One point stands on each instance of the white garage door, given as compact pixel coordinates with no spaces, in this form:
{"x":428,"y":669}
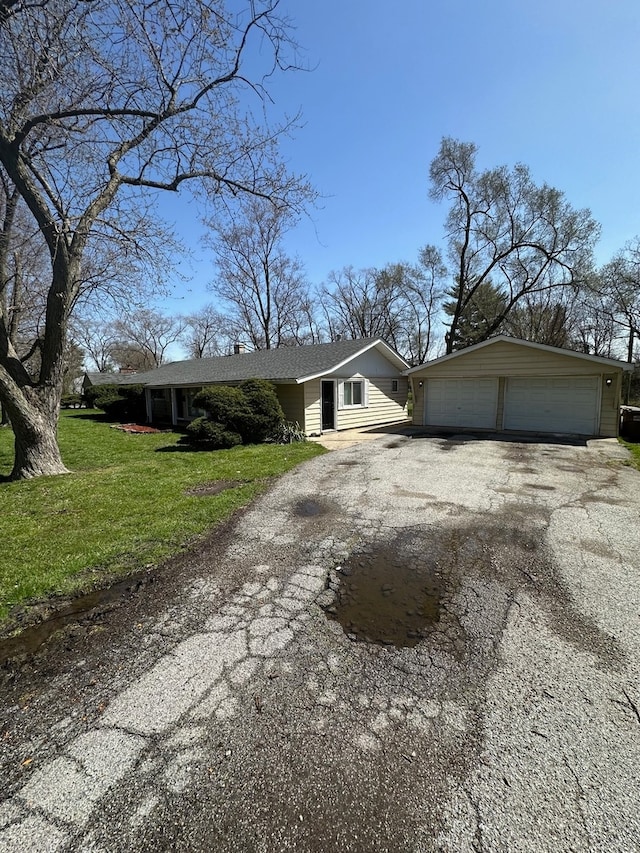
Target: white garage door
{"x":543,"y":404}
{"x":461,"y":402}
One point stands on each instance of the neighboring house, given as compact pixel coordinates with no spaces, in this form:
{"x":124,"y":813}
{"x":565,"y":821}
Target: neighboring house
{"x":323,"y":387}
{"x":513,"y":385}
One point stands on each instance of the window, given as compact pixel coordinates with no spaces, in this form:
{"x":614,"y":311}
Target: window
{"x":353,"y":393}
{"x":190,"y":410}
{"x":394,"y":386}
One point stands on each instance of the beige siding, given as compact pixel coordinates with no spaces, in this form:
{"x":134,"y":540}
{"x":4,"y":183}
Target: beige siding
{"x":312,"y":414}
{"x":610,"y":406}
{"x":384,"y":405}
{"x":506,"y":359}
{"x":418,"y":401}
{"x":291,"y":399}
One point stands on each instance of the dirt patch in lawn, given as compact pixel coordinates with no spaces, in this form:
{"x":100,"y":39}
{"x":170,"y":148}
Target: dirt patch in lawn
{"x":213,"y":488}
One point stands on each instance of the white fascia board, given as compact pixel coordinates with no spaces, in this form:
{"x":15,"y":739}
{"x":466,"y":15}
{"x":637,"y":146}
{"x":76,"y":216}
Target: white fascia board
{"x":598,"y":359}
{"x":390,"y":354}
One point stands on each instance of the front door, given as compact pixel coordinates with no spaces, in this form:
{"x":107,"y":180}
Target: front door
{"x":328,"y":405}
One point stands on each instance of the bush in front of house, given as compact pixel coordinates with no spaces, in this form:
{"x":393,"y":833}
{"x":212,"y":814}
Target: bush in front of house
{"x":123,"y":403}
{"x":265,"y":411}
{"x":245,"y":414}
{"x":224,"y":404}
{"x":210,"y":435}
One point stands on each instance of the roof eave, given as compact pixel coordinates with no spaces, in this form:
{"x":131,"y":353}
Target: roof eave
{"x":597,"y":359}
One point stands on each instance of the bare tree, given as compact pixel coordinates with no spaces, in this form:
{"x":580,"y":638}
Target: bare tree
{"x":95,"y":334}
{"x":143,"y":337}
{"x":594,"y":329}
{"x":206,"y":333}
{"x":264,"y":289}
{"x":360,"y":304}
{"x":552,"y":317}
{"x":398,"y":303}
{"x":101,"y":103}
{"x":503,"y":228}
{"x":618,"y":292}
{"x":418,"y":289}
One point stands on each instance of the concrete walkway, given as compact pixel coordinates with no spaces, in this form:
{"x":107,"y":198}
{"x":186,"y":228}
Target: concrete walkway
{"x":339,"y":439}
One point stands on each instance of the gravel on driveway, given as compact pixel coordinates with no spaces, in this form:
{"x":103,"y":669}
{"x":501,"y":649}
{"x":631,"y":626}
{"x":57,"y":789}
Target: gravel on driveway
{"x":412,"y":644}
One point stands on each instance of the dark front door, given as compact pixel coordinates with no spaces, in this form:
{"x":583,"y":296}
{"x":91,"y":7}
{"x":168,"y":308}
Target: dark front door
{"x":328,"y":405}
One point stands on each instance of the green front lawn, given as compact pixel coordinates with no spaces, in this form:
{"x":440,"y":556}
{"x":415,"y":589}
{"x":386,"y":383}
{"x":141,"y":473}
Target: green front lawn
{"x":634,"y":449}
{"x":123,"y":507}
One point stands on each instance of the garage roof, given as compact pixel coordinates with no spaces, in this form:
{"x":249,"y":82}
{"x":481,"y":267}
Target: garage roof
{"x":607,"y":362}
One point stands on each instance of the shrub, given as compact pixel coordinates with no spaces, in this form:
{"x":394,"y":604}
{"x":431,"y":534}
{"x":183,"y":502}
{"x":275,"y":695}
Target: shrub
{"x":119,"y":402}
{"x":224,"y":404}
{"x":248,"y":414}
{"x":265,"y":411}
{"x":71,"y":401}
{"x":92,"y":393}
{"x":211,"y":435}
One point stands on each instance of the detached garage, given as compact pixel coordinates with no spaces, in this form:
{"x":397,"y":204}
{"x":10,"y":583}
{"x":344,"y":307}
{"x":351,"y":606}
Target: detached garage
{"x":506,"y":384}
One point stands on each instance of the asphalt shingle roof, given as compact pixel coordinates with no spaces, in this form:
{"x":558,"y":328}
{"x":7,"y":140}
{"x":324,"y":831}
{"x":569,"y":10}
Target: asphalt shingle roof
{"x":284,"y":364}
{"x":109,"y":378}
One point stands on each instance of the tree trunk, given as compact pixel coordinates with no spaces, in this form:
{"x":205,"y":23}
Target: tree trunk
{"x":36,"y":446}
{"x":34,"y":420}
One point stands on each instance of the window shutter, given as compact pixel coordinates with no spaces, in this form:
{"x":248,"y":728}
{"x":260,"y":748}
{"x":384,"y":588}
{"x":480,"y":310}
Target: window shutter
{"x":341,"y":395}
{"x":365,"y":393}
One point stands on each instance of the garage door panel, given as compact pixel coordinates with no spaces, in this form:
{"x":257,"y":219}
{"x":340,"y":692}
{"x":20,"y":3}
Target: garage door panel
{"x":461,"y":402}
{"x":559,"y":404}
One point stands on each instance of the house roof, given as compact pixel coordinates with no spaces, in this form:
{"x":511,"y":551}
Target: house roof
{"x":108,"y":378}
{"x":606,"y":362}
{"x":285,"y":364}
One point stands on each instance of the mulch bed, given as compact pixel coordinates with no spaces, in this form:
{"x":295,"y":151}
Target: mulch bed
{"x":135,"y":428}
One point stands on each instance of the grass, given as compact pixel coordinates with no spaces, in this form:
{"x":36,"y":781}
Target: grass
{"x":123,"y":507}
{"x":634,"y":449}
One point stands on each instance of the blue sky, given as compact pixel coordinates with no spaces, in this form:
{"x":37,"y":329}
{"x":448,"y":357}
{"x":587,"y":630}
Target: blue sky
{"x":553,"y":85}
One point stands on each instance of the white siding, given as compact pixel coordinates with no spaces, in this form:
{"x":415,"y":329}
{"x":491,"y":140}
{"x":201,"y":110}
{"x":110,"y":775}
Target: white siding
{"x":385,"y":406}
{"x":371,"y":364}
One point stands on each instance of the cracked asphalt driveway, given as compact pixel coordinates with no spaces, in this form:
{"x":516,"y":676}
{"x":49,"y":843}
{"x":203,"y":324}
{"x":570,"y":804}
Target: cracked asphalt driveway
{"x":224,"y":709}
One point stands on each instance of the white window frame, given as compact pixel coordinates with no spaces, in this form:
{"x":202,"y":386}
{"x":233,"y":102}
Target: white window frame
{"x":364,"y":396}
